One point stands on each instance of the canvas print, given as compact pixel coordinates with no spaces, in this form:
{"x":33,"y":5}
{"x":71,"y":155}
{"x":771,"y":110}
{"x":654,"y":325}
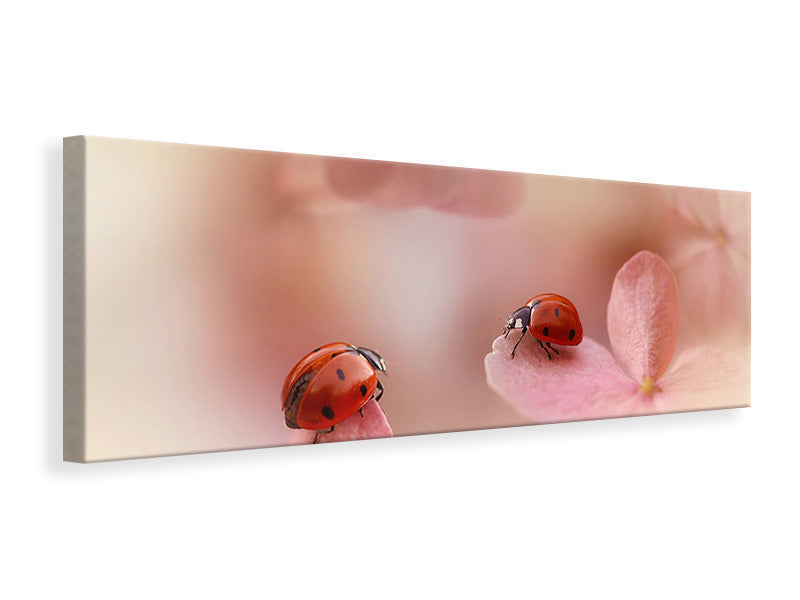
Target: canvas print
{"x":220,"y":299}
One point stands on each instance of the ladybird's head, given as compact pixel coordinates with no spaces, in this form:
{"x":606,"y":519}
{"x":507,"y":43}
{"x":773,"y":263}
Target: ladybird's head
{"x":519,"y":319}
{"x":373,"y":358}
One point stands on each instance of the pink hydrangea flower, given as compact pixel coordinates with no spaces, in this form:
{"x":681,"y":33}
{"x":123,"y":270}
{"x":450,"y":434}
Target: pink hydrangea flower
{"x":707,"y":237}
{"x":372,"y":425}
{"x":589,"y":382}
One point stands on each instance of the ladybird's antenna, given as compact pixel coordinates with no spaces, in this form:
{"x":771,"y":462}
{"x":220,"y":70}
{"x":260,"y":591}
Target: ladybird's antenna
{"x":505,"y":329}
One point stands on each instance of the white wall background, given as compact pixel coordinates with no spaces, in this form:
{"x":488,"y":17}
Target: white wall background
{"x":684,"y":506}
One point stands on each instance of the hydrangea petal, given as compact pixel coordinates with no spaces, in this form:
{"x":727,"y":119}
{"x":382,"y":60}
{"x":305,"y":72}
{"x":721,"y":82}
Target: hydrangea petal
{"x":708,"y":248}
{"x":358,"y":179}
{"x":582,"y":382}
{"x":704,"y":377}
{"x":324,"y":184}
{"x":715,"y":295}
{"x":372,"y":425}
{"x":484,"y":193}
{"x":644,"y":316}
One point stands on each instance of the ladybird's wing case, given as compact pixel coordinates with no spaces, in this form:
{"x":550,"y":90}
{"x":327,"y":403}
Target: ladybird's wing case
{"x":535,"y":301}
{"x":569,"y":303}
{"x":337,"y":391}
{"x":550,"y":297}
{"x":311,"y":361}
{"x":555,"y":320}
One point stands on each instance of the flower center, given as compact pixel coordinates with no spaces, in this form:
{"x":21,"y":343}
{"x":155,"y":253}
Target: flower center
{"x":648,"y":385}
{"x":720,"y":238}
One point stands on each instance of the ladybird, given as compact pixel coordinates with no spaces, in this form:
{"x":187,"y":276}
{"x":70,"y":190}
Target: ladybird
{"x":551,"y":319}
{"x":329,"y":385}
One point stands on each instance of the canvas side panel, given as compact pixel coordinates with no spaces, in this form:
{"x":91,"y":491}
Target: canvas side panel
{"x":75,"y":299}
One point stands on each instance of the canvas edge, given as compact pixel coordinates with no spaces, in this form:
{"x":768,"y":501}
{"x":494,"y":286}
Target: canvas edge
{"x":74,"y":296}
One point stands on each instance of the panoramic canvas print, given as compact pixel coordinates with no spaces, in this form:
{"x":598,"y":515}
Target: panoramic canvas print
{"x":220,"y":299}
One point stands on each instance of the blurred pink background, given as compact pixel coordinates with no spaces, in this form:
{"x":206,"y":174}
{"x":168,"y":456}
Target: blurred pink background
{"x":211,"y":271}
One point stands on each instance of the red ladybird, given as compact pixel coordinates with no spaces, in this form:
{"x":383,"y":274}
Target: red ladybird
{"x":551,"y":319}
{"x":329,"y":385}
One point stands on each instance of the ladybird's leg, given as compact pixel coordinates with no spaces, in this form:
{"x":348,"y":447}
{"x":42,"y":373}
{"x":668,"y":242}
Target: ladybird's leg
{"x":361,"y":412}
{"x":316,"y":436}
{"x":380,"y":391}
{"x":551,"y":348}
{"x":543,"y":348}
{"x":524,"y":329}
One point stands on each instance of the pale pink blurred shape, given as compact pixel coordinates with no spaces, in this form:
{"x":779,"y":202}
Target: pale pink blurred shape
{"x":300,"y":175}
{"x":586,"y":382}
{"x":318,"y":183}
{"x":358,"y":179}
{"x":372,"y":425}
{"x":483,"y":193}
{"x":708,"y":247}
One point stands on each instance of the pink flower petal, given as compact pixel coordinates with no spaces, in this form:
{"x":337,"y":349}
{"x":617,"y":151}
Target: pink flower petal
{"x":582,"y":382}
{"x":708,"y":248}
{"x":704,"y":378}
{"x":427,"y":184}
{"x":715,"y":295}
{"x":358,"y":179}
{"x":372,"y":425}
{"x":483,"y":193}
{"x":323,"y":184}
{"x":300,"y":176}
{"x":713,"y":211}
{"x":644,"y":316}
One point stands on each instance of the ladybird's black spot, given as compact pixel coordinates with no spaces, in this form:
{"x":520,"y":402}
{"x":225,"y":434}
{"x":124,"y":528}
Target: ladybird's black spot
{"x":571,"y":334}
{"x":556,"y":312}
{"x":546,"y":331}
{"x":363,"y":390}
{"x":535,"y":304}
{"x":340,"y":373}
{"x":327,"y":412}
